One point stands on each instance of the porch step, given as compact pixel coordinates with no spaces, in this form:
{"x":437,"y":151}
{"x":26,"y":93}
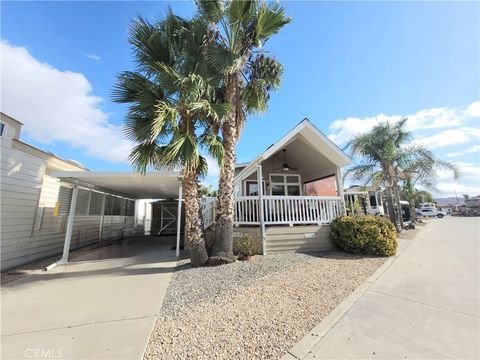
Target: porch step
{"x":298,"y":239}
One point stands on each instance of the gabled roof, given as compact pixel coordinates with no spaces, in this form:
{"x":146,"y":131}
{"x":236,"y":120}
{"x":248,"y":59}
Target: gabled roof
{"x":315,"y":138}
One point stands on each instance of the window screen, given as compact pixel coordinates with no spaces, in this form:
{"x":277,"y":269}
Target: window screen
{"x":130,"y":208}
{"x":118,"y":204}
{"x":83,"y":202}
{"x":96,"y":202}
{"x":64,"y":198}
{"x":109,"y":205}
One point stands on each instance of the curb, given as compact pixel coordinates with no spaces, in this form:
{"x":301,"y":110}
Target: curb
{"x":304,"y":346}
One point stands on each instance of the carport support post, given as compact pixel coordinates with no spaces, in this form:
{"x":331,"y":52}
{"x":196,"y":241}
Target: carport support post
{"x":260,"y":207}
{"x":71,"y":219}
{"x":102,"y":217}
{"x":179,"y":218}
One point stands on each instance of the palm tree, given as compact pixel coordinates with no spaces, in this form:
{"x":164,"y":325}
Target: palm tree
{"x":170,"y":114}
{"x":386,"y":157}
{"x":242,"y":28}
{"x":414,"y":196}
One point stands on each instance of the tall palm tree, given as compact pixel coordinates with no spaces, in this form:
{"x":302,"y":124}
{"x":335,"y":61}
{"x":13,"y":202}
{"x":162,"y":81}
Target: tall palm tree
{"x":386,"y":157}
{"x":242,"y":28}
{"x":170,"y":114}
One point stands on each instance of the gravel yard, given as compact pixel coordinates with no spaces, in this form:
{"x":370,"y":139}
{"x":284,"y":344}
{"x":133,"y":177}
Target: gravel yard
{"x":252,"y":310}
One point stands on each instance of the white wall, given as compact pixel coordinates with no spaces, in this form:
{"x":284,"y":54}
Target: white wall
{"x":23,"y":175}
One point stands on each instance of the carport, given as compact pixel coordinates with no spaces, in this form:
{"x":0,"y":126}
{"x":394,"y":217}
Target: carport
{"x":152,"y":185}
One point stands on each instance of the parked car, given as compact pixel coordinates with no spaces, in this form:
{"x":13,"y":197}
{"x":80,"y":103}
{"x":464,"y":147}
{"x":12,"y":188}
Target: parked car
{"x":430,"y":212}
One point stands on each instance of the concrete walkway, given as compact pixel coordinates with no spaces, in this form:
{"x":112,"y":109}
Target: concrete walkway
{"x":101,"y":306}
{"x":425,"y":304}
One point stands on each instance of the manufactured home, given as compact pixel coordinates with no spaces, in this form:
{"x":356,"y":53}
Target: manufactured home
{"x":289,"y":194}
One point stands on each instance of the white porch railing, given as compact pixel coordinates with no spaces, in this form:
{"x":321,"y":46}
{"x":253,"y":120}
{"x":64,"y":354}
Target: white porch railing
{"x":288,"y":210}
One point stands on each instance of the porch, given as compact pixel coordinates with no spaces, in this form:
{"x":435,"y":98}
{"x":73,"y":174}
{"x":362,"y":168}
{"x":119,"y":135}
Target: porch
{"x":287,"y":210}
{"x":296,"y":181}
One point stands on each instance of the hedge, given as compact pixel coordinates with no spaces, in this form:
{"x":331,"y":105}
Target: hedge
{"x":368,"y":235}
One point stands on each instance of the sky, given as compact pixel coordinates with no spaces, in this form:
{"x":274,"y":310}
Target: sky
{"x":348,"y":66}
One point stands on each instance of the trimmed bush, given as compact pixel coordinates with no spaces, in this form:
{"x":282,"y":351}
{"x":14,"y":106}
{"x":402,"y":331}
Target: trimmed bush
{"x":246,"y":246}
{"x":368,"y":235}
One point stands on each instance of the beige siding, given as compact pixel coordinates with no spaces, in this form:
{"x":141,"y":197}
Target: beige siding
{"x":298,"y":238}
{"x":25,"y":187}
{"x":291,"y":239}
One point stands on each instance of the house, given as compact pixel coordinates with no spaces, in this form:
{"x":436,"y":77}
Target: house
{"x":35,"y":203}
{"x":288,"y":195}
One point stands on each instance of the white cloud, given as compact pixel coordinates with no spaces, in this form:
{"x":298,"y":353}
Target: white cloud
{"x":454,"y":154}
{"x":451,"y":188}
{"x":93,"y":57}
{"x":435,"y":118}
{"x":444,"y":138}
{"x":467,"y":183}
{"x":58,"y":106}
{"x":473,"y":149}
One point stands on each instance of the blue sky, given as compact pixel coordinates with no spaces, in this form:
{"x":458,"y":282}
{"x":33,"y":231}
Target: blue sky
{"x":347,"y":66}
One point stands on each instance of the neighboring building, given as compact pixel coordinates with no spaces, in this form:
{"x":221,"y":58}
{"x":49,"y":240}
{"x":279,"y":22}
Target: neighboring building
{"x":365,"y":202}
{"x":35,"y":203}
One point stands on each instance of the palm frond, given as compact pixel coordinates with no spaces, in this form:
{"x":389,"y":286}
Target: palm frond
{"x":206,"y":109}
{"x":255,"y":96}
{"x":240,"y":11}
{"x":144,"y":155}
{"x":220,"y":58}
{"x":213,"y":144}
{"x":212,"y":10}
{"x":270,"y":19}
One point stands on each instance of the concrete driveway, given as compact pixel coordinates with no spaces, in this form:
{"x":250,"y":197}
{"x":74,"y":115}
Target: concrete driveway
{"x":424,"y":306}
{"x":103,"y":305}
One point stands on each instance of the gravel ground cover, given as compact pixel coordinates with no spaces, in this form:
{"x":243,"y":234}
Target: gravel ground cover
{"x":252,"y":310}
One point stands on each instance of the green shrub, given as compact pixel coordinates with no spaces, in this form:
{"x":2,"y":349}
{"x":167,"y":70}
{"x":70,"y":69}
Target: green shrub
{"x":369,"y":235}
{"x":246,"y":245}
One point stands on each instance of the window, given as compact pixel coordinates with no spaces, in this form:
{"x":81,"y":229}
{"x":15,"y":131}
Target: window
{"x":2,"y":128}
{"x":373,"y":199}
{"x":49,"y":217}
{"x":283,"y":184}
{"x":251,"y":188}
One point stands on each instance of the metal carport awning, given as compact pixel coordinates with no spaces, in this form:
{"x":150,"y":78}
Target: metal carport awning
{"x":152,"y":185}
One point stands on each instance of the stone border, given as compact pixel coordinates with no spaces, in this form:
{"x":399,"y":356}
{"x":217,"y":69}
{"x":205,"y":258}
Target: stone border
{"x":304,"y":346}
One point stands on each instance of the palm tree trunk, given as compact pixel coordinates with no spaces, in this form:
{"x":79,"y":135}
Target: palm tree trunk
{"x":413,"y":215}
{"x":194,"y":237}
{"x":390,"y":207}
{"x":222,"y":249}
{"x":396,"y":192}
